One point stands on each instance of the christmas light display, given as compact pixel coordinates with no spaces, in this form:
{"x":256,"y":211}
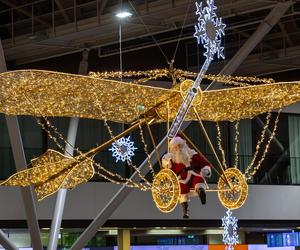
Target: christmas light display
{"x":123,"y":149}
{"x":209,"y":30}
{"x":230,"y":236}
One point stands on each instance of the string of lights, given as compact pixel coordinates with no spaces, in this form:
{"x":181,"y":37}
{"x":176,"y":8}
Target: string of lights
{"x":256,"y":168}
{"x":121,"y":179}
{"x":145,"y":146}
{"x":97,"y":166}
{"x":219,"y":141}
{"x":181,"y":75}
{"x":236,"y":145}
{"x":258,"y":145}
{"x":112,"y":136}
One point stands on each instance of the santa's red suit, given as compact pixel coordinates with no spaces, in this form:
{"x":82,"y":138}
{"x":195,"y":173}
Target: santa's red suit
{"x":191,"y":169}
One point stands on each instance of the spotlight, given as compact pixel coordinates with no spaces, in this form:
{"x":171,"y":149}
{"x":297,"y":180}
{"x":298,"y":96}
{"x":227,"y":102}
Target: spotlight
{"x":123,"y":14}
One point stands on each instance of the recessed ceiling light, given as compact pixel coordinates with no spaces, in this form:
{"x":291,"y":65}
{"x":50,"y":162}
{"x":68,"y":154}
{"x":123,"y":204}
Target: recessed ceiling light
{"x":123,"y":14}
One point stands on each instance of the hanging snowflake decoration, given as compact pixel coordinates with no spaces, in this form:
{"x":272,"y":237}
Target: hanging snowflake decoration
{"x":209,"y":30}
{"x":123,"y":149}
{"x":230,"y":236}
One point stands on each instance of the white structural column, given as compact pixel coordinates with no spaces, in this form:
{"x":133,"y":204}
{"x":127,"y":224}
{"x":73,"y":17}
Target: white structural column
{"x":5,"y":242}
{"x":20,"y":162}
{"x":240,"y":56}
{"x":69,"y":150}
{"x":62,"y":193}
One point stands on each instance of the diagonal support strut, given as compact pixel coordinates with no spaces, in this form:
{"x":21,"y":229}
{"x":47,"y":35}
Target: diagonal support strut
{"x":20,"y":162}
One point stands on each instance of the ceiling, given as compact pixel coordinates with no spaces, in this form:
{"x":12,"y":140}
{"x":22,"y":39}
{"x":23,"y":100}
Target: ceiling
{"x":32,"y":31}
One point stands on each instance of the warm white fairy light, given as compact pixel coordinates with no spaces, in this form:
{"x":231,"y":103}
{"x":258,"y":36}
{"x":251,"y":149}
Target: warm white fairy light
{"x":209,"y":30}
{"x":123,"y":149}
{"x":230,"y":236}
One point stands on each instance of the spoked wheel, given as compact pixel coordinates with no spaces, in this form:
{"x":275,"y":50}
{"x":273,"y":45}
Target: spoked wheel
{"x":165,"y":190}
{"x":234,"y":195}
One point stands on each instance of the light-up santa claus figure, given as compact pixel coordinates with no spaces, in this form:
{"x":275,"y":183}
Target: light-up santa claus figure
{"x":191,"y":169}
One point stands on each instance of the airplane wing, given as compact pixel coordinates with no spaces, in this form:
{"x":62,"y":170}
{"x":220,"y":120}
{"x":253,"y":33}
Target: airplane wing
{"x":247,"y":102}
{"x":233,"y":104}
{"x":37,"y":92}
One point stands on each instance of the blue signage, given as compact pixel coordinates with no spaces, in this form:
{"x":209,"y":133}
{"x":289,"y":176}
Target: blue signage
{"x":283,"y":239}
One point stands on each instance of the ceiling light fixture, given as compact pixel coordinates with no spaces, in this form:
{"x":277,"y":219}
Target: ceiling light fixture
{"x":123,"y":14}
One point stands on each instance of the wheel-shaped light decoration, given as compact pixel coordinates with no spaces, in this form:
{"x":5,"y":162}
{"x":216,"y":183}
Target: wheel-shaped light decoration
{"x":234,"y":194}
{"x":209,"y":30}
{"x":123,"y":149}
{"x":165,"y":190}
{"x":230,"y":236}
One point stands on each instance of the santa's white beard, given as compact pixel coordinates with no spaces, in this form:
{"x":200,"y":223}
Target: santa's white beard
{"x":182,"y":156}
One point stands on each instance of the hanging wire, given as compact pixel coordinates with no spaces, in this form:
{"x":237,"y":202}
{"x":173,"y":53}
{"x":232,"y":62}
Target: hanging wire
{"x":148,"y":30}
{"x":182,"y":27}
{"x":120,"y":47}
{"x":154,"y":39}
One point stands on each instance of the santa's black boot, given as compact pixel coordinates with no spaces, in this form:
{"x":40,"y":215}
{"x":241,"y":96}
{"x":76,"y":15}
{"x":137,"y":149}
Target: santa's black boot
{"x":185,"y":209}
{"x":202,"y":195}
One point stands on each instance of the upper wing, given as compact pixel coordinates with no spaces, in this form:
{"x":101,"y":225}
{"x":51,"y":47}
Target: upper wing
{"x":36,"y":92}
{"x":233,"y":104}
{"x":246,"y":102}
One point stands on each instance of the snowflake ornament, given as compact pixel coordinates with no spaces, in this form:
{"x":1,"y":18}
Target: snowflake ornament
{"x":209,"y":30}
{"x":123,"y":149}
{"x":230,"y":236}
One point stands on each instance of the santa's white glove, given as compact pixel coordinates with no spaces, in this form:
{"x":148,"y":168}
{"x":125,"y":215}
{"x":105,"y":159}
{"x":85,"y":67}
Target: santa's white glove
{"x":206,"y":171}
{"x":166,"y":160}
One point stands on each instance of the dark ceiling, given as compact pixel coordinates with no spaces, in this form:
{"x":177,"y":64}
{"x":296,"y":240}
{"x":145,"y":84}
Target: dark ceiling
{"x":34,"y":31}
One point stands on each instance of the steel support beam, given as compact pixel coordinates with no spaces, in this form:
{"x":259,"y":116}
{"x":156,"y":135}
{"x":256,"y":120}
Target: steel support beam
{"x":20,"y":162}
{"x":69,"y":150}
{"x":263,"y":29}
{"x":62,"y":11}
{"x":269,"y":133}
{"x":103,"y":6}
{"x":284,"y":156}
{"x":62,"y":193}
{"x":245,"y":35}
{"x":26,"y":192}
{"x":26,"y":13}
{"x":286,"y":35}
{"x":5,"y":242}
